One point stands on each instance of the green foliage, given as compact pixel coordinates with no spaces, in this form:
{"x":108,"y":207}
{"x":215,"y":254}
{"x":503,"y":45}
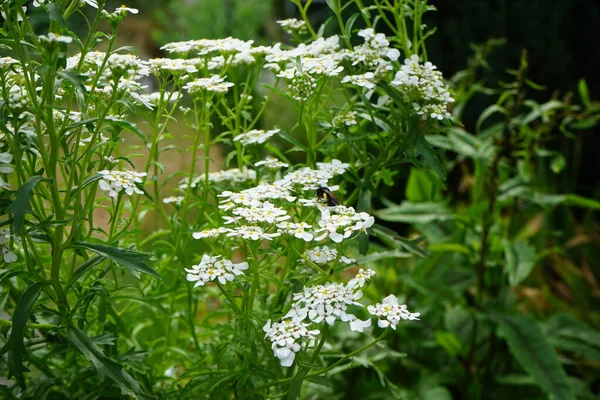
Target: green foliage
{"x":181,"y":280}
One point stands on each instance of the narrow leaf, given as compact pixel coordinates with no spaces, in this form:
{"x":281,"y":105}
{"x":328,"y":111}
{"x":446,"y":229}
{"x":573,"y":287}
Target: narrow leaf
{"x":104,"y":365}
{"x":134,"y":261}
{"x":529,"y":346}
{"x":419,"y":213}
{"x":21,"y":206}
{"x":15,"y":346}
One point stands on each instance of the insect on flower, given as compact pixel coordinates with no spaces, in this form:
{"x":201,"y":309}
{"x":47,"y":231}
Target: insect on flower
{"x":324,"y":194}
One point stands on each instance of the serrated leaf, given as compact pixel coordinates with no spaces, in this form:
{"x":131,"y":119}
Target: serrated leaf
{"x":21,"y":205}
{"x":520,"y":260}
{"x":104,"y":365}
{"x":134,"y":261}
{"x":529,"y":346}
{"x":15,"y":346}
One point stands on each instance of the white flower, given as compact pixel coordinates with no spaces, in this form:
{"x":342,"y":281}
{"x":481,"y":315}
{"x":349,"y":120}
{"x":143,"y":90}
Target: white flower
{"x":115,"y":181}
{"x":292,"y":25}
{"x":296,"y":229}
{"x":211,"y":268}
{"x":271,"y":163}
{"x":422,"y":86}
{"x":361,"y":278}
{"x":255,"y":136}
{"x":124,"y":10}
{"x":212,"y":84}
{"x":261,"y":212}
{"x":54,"y":38}
{"x":173,"y":199}
{"x":285,"y":335}
{"x":345,"y":219}
{"x":325,"y":302}
{"x":251,"y":232}
{"x":210,"y":233}
{"x":366,"y":80}
{"x":389,"y":312}
{"x":7,"y":254}
{"x":322,"y":255}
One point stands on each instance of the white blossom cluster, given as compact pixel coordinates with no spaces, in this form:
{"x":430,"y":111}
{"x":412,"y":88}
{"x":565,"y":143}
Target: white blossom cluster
{"x":213,"y":268}
{"x":322,"y":255}
{"x":296,"y":229}
{"x":255,"y":136}
{"x":329,"y":303}
{"x":376,"y":53}
{"x":7,"y":253}
{"x":285,"y":337}
{"x":115,"y":65}
{"x":293,"y":26}
{"x":116,"y":181}
{"x":258,"y":212}
{"x":215,"y":84}
{"x":342,"y":223}
{"x":422,"y":85}
{"x":231,"y":176}
{"x":344,"y":120}
{"x":271,"y":163}
{"x":390,"y":313}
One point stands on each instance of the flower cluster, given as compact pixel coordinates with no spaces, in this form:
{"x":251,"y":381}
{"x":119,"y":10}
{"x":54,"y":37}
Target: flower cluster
{"x":231,"y":176}
{"x":213,"y":84}
{"x":285,"y":335}
{"x":257,"y":136}
{"x":7,"y":254}
{"x":323,"y":255}
{"x":329,"y":303}
{"x":271,"y":163}
{"x":422,"y":85}
{"x":293,"y":26}
{"x":389,"y":312}
{"x":116,"y":181}
{"x":345,"y":219}
{"x":211,"y":268}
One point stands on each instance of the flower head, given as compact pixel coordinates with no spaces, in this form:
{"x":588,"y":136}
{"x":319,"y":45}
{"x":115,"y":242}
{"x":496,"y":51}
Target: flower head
{"x":390,"y":313}
{"x":285,"y":336}
{"x":211,"y":268}
{"x":116,"y":181}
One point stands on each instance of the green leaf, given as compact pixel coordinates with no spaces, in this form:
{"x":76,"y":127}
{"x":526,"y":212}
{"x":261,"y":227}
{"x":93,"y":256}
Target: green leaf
{"x":78,"y":80}
{"x":292,"y":140}
{"x":55,"y":14}
{"x":529,"y":346}
{"x":20,"y":206}
{"x":134,"y":261}
{"x":15,"y":346}
{"x":520,"y":260}
{"x":494,"y":108}
{"x":296,"y":384}
{"x":87,"y":265}
{"x":124,"y":124}
{"x":430,"y":159}
{"x":104,"y":365}
{"x":394,"y":240}
{"x":420,"y":213}
{"x":584,"y":93}
{"x":449,"y":342}
{"x":382,"y":255}
{"x":420,"y":187}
